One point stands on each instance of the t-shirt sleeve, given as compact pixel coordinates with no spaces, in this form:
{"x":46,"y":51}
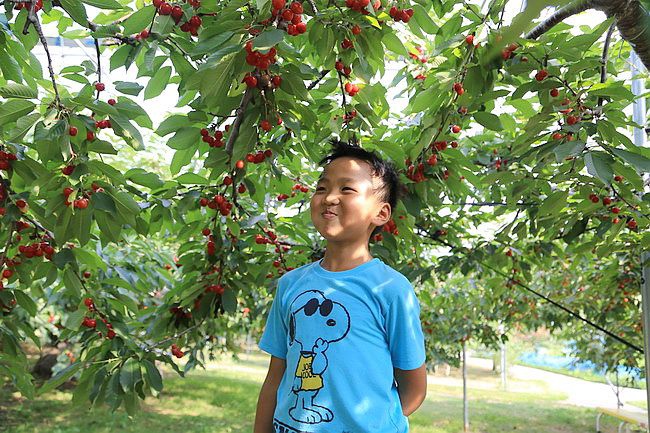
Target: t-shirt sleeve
{"x":405,"y":338}
{"x":274,"y":337}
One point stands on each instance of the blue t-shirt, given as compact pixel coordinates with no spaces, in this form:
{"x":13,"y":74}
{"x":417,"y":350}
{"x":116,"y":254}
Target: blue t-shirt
{"x":341,"y":334}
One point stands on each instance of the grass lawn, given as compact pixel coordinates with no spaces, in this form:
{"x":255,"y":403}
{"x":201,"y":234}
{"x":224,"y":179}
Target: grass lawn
{"x":223,"y":399}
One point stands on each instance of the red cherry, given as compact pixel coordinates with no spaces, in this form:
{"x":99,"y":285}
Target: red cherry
{"x":296,"y":7}
{"x":177,"y":12}
{"x":144,"y":34}
{"x":554,"y":93}
{"x":239,"y":164}
{"x":631,"y":224}
{"x":557,"y":136}
{"x":82,"y":203}
{"x":458,"y":88}
{"x":68,"y":169}
{"x":455,"y":129}
{"x":7,"y":273}
{"x":165,"y":9}
{"x":616,"y":210}
{"x":287,"y":15}
{"x":72,"y":131}
{"x":278,"y":4}
{"x":250,"y":81}
{"x":618,"y":178}
{"x":100,"y":86}
{"x":541,"y":74}
{"x":21,"y":203}
{"x":227,"y":180}
{"x":276,"y":80}
{"x":266,"y":125}
{"x":356,"y":30}
{"x":206,"y":231}
{"x":469,"y":39}
{"x":90,"y":135}
{"x":572,"y":120}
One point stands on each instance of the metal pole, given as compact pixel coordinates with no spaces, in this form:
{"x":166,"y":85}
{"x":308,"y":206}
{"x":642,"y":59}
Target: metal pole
{"x":639,"y":117}
{"x":645,"y":302}
{"x":503,"y":366}
{"x":465,"y":403}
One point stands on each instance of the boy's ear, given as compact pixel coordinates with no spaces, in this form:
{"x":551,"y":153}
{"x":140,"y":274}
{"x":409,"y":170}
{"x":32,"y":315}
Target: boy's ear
{"x":383,"y":214}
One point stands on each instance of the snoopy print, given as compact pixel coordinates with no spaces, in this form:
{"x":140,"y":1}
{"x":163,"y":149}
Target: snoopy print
{"x":315,"y":323}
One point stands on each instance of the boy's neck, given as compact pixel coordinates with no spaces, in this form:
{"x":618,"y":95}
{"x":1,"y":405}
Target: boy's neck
{"x":340,"y":258}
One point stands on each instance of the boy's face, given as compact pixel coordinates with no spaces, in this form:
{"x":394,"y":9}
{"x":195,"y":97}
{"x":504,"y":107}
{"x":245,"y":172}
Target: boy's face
{"x":347,"y":188}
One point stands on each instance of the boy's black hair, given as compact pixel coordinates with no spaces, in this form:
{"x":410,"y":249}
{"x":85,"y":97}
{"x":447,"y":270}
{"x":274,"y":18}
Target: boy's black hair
{"x":385,"y":170}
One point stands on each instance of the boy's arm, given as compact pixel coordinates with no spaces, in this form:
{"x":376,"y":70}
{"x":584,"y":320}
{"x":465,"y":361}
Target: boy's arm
{"x":412,"y":388}
{"x":267,"y":398}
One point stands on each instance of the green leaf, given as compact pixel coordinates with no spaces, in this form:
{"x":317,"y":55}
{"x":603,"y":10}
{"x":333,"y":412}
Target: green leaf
{"x":128,"y":88}
{"x":59,"y":378}
{"x":72,"y":282}
{"x":14,"y":109}
{"x":139,"y":20}
{"x":599,"y":165}
{"x":153,"y":375}
{"x":26,"y":302}
{"x":424,"y":19}
{"x":640,"y":162}
{"x":125,"y":129}
{"x":130,"y":374}
{"x":158,"y":82}
{"x":192,"y":178}
{"x":63,"y":257}
{"x":488,"y":120}
{"x":14,"y":90}
{"x":394,"y":44}
{"x":553,"y":203}
{"x":104,"y":4}
{"x":76,"y":10}
{"x":184,"y":138}
{"x":268,"y":39}
{"x":141,"y":177}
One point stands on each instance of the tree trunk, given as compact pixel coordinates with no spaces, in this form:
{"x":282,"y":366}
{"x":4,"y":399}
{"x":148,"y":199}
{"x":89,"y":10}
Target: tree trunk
{"x":632,"y":22}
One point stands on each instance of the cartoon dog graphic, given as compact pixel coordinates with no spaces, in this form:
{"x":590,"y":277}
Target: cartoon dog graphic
{"x":315,"y":323}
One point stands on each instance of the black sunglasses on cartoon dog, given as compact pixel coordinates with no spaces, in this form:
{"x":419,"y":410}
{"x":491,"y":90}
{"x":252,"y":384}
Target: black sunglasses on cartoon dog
{"x":313,"y":304}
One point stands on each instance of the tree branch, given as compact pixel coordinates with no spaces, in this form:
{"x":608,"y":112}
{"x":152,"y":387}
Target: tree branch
{"x":560,"y":15}
{"x":322,"y":74}
{"x":32,"y":18}
{"x":605,"y":58}
{"x":234,"y":132}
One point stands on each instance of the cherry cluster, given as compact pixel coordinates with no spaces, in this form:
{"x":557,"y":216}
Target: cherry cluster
{"x":289,"y":17}
{"x":351,"y":89}
{"x":81,"y":203}
{"x":218,"y":201}
{"x":219,"y":289}
{"x":25,"y":5}
{"x":89,"y":322}
{"x":213,"y":141}
{"x":5,"y":160}
{"x":506,"y":53}
{"x":262,"y":81}
{"x":176,"y":12}
{"x":178,"y":353}
{"x":259,"y":157}
{"x":37,"y":249}
{"x":403,"y":15}
{"x":342,"y":68}
{"x":258,"y":59}
{"x":362,"y":5}
{"x":390,"y":227}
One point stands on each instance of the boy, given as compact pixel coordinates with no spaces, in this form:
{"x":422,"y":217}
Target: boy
{"x":342,"y":330}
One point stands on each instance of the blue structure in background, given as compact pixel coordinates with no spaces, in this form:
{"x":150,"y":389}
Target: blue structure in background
{"x":537,"y":359}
